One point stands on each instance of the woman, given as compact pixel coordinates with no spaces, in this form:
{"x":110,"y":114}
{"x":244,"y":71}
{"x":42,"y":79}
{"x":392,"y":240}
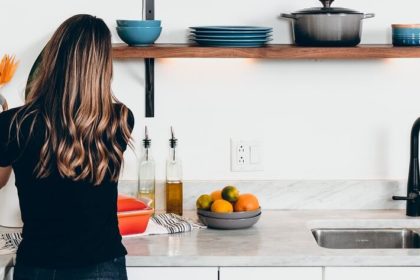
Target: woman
{"x":66,"y":147}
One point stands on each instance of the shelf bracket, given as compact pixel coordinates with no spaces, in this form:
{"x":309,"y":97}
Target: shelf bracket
{"x":149,"y":14}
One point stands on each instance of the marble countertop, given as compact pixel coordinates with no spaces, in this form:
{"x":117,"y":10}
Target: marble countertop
{"x":280,"y":238}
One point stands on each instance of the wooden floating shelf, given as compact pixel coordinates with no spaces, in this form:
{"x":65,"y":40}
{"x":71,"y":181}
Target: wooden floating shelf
{"x":122,"y":51}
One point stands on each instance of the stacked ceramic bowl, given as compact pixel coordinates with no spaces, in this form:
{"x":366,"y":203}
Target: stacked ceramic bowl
{"x":234,"y":220}
{"x":231,"y":36}
{"x":139,"y":32}
{"x":406,"y":34}
{"x":133,"y":214}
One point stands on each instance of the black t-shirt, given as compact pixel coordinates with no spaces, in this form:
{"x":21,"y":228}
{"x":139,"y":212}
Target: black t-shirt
{"x":66,"y":223}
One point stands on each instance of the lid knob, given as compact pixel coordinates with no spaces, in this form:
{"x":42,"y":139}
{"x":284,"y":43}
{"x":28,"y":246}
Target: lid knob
{"x":326,"y":3}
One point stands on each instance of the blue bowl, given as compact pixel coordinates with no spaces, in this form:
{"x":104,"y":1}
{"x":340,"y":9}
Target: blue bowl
{"x":406,"y":42}
{"x":138,"y":23}
{"x":406,"y":34}
{"x":139,"y":36}
{"x":406,"y":29}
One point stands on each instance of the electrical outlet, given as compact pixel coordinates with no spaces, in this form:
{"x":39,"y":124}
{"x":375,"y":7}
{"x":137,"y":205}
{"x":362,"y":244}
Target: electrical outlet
{"x":246,"y":155}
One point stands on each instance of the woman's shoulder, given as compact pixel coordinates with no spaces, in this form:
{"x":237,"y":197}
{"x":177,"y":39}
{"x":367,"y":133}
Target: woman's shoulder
{"x":7,"y":116}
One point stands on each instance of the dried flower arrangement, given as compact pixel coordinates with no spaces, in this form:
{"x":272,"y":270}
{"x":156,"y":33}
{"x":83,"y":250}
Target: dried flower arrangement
{"x":8,"y":66}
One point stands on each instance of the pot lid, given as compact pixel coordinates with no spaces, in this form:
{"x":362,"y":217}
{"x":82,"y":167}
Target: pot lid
{"x":327,"y":9}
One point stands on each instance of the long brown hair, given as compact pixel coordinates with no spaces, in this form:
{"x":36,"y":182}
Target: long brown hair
{"x":71,"y":93}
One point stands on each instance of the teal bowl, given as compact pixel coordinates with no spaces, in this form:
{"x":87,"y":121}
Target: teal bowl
{"x":139,"y":36}
{"x":138,"y":23}
{"x":406,"y":42}
{"x":406,"y":34}
{"x":406,"y":29}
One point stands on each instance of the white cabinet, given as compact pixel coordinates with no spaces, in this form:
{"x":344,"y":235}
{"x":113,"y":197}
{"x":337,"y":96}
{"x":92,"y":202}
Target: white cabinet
{"x":369,"y":273}
{"x":271,"y":273}
{"x":173,"y":273}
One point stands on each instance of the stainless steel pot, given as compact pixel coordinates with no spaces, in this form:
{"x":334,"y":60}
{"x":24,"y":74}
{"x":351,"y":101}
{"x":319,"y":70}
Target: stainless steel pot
{"x":327,"y":26}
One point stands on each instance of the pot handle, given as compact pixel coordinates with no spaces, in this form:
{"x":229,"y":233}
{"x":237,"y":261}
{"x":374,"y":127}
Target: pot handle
{"x":368,"y":16}
{"x":288,"y":16}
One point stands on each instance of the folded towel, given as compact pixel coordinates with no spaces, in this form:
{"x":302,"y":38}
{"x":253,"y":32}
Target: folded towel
{"x":168,"y":224}
{"x":9,"y":242}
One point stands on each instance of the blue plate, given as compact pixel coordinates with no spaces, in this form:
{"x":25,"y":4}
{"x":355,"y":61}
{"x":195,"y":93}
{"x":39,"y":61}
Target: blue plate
{"x":227,"y":41}
{"x":231,"y":37}
{"x":231,"y":33}
{"x":231,"y":28}
{"x":233,"y":45}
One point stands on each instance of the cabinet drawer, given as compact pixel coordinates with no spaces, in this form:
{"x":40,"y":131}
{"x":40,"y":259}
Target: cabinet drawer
{"x":173,"y":273}
{"x":271,"y":273}
{"x":369,"y":273}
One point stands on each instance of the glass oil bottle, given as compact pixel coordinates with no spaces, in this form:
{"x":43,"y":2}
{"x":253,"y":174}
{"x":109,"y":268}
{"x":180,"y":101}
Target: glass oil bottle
{"x":147,"y":171}
{"x":174,"y":192}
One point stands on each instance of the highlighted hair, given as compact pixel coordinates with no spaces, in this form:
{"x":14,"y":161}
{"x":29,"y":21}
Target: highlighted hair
{"x":71,"y":94}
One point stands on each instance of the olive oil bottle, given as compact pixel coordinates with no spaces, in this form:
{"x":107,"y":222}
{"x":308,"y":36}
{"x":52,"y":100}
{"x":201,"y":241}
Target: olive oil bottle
{"x":147,"y":170}
{"x":174,"y":187}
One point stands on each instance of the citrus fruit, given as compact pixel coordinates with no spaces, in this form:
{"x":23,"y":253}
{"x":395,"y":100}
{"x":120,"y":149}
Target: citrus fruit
{"x":216,"y":195}
{"x":204,"y":202}
{"x":230,"y":193}
{"x":222,"y":206}
{"x":247,"y":202}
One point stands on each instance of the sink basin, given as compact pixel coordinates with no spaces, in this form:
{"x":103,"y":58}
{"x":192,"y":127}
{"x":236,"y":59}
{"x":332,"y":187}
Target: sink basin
{"x":368,"y":238}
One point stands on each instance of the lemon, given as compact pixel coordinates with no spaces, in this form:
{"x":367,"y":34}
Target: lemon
{"x":222,"y":206}
{"x":204,"y":202}
{"x":230,"y":193}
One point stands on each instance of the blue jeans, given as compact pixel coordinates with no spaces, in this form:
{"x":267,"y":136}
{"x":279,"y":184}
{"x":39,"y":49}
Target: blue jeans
{"x":110,"y":270}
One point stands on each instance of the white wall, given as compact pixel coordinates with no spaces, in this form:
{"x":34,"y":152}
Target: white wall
{"x":318,"y":119}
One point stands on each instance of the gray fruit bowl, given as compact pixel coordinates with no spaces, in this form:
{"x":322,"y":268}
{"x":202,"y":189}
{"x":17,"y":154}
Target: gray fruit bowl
{"x":233,"y":215}
{"x":217,"y":223}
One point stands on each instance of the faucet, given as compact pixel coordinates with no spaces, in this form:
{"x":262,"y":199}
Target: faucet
{"x":413,"y":186}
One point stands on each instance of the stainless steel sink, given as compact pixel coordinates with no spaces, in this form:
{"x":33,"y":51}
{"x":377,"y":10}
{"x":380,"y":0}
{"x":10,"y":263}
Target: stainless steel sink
{"x":368,"y":238}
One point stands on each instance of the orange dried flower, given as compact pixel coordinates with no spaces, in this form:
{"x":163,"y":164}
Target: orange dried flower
{"x":8,"y":65}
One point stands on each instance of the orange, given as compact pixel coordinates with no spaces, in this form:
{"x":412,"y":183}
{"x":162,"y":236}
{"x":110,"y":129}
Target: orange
{"x":216,"y":195}
{"x":247,"y":202}
{"x":230,"y":193}
{"x":222,"y":206}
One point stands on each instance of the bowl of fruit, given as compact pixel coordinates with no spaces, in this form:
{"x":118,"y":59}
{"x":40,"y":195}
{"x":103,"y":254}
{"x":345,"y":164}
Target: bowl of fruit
{"x":228,"y":209}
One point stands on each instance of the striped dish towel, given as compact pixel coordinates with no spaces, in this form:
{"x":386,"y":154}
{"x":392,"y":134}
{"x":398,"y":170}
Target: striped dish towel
{"x":9,"y":242}
{"x":159,"y":224}
{"x":168,"y":224}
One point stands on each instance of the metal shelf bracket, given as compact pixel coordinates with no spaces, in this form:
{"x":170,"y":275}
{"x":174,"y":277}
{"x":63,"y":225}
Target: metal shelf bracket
{"x":149,"y":14}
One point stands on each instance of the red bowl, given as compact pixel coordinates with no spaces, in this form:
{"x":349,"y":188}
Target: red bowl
{"x":133,"y":214}
{"x":129,"y":203}
{"x":134,"y":222}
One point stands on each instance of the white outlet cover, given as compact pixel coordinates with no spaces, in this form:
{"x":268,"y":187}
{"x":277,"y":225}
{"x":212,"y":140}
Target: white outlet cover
{"x":246,"y":155}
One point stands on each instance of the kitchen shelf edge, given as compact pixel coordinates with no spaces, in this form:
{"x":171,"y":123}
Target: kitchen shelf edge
{"x":272,"y":51}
